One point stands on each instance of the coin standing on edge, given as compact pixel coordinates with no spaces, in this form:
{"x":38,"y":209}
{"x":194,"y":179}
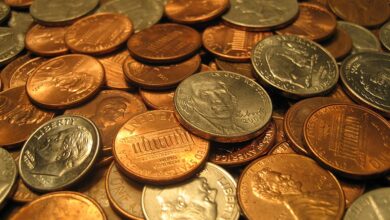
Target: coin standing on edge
{"x":11,"y":44}
{"x":8,"y":175}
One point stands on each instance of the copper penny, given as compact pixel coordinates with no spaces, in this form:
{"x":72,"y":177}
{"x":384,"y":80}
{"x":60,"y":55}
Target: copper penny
{"x":339,"y":45}
{"x":231,"y":44}
{"x":349,"y":139}
{"x":314,"y":23}
{"x":23,"y":194}
{"x":99,"y":34}
{"x":9,"y":70}
{"x":46,"y":41}
{"x":205,"y":68}
{"x":339,"y":95}
{"x":18,"y":117}
{"x":280,"y":135}
{"x":352,"y":190}
{"x":190,"y":12}
{"x":282,"y":148}
{"x":65,"y":81}
{"x":159,"y":76}
{"x":104,"y":161}
{"x":289,"y":186}
{"x":62,"y":205}
{"x":21,"y":74}
{"x":154,"y":148}
{"x":164,"y":43}
{"x":18,"y":3}
{"x":159,"y":100}
{"x":244,"y":69}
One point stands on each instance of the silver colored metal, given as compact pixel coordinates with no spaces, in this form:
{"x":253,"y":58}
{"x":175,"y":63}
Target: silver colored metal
{"x":8,"y":174}
{"x":384,"y":35}
{"x":5,"y":11}
{"x":11,"y":44}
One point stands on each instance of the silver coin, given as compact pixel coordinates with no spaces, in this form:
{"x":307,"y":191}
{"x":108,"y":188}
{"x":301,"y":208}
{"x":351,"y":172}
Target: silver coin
{"x":11,"y":44}
{"x":373,"y":205}
{"x":143,"y":13}
{"x":208,"y":196}
{"x":8,"y":174}
{"x":20,"y":22}
{"x":261,"y":14}
{"x":5,"y":11}
{"x":294,"y":66}
{"x":59,"y":153}
{"x":384,"y":35}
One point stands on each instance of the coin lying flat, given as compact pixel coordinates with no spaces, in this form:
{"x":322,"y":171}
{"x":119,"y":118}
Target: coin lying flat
{"x":59,"y":153}
{"x":158,"y":100}
{"x":21,"y":74}
{"x":352,"y":190}
{"x":8,"y":176}
{"x":18,"y":3}
{"x":222,"y":106}
{"x":339,"y":45}
{"x":244,"y":69}
{"x":9,"y":70}
{"x":282,"y":148}
{"x":11,"y":44}
{"x":384,"y":35}
{"x":23,"y":194}
{"x":209,"y":195}
{"x":20,"y":22}
{"x":294,"y":66}
{"x":4,"y":12}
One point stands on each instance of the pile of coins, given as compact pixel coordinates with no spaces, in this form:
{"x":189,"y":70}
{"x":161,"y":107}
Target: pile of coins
{"x":194,"y":109}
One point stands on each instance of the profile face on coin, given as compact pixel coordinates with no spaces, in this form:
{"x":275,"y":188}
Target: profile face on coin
{"x":11,"y":44}
{"x":8,"y":174}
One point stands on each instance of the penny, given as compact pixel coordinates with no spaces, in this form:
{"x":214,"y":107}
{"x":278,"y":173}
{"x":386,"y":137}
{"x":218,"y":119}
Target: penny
{"x":153,"y":148}
{"x":349,"y":139}
{"x":231,"y":44}
{"x":190,"y":12}
{"x":20,"y":22}
{"x":46,"y":41}
{"x":159,"y":76}
{"x":164,"y":43}
{"x":366,"y":77}
{"x":222,"y":106}
{"x":384,"y":35}
{"x":339,"y":95}
{"x":62,"y":205}
{"x":352,"y":190}
{"x":23,"y":194}
{"x":4,"y":12}
{"x":159,"y":100}
{"x":209,"y":195}
{"x":18,"y":3}
{"x":323,"y":3}
{"x":59,"y":153}
{"x":21,"y":74}
{"x":104,"y":161}
{"x":365,"y":13}
{"x":314,"y":23}
{"x":9,"y":70}
{"x":261,"y":15}
{"x":143,"y":14}
{"x":11,"y":44}
{"x":109,"y":111}
{"x":280,"y":135}
{"x":124,"y":194}
{"x":294,"y":66}
{"x":244,"y":69}
{"x":8,"y":176}
{"x":205,"y":68}
{"x":287,"y":186}
{"x":339,"y":45}
{"x":65,"y":81}
{"x":282,"y":148}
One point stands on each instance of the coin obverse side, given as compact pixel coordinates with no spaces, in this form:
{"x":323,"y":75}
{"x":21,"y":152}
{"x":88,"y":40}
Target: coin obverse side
{"x":59,"y":153}
{"x":8,"y":175}
{"x":208,"y":196}
{"x":384,"y":35}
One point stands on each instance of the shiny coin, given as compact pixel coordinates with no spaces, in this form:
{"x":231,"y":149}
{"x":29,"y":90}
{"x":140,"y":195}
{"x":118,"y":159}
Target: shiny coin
{"x":4,"y":12}
{"x":244,"y":69}
{"x":11,"y":44}
{"x":8,"y":176}
{"x":65,"y":81}
{"x":282,"y":148}
{"x":223,"y":106}
{"x":294,"y":66}
{"x":20,"y":22}
{"x":339,"y":45}
{"x":209,"y":195}
{"x":21,"y":74}
{"x":287,"y":186}
{"x":18,"y":3}
{"x":348,"y":139}
{"x":59,"y":153}
{"x":159,"y":100}
{"x":384,"y":35}
{"x":9,"y":70}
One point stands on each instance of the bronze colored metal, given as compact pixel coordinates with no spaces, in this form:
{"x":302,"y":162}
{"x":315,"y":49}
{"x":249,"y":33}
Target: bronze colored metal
{"x":282,"y":148}
{"x":9,"y":70}
{"x":158,"y":100}
{"x":352,"y":190}
{"x":21,"y":74}
{"x":280,"y":135}
{"x":104,"y":161}
{"x":339,"y":95}
{"x":18,"y":3}
{"x":339,"y":45}
{"x":244,"y":69}
{"x":23,"y":194}
{"x":205,"y":68}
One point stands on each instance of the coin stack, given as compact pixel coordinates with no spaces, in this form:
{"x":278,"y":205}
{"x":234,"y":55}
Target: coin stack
{"x":194,"y":109}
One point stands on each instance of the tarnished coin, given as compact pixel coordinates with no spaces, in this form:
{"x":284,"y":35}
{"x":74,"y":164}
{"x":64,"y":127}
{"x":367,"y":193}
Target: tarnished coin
{"x":20,"y":22}
{"x":231,"y":44}
{"x":4,"y":12}
{"x":65,"y":81}
{"x":59,"y":153}
{"x":349,"y":139}
{"x":366,"y":77}
{"x":261,"y":15}
{"x":110,"y":110}
{"x":158,"y":100}
{"x":282,"y":148}
{"x":142,"y":13}
{"x":9,"y":70}
{"x":11,"y":44}
{"x":59,"y":12}
{"x":153,"y":148}
{"x":18,"y":3}
{"x":294,"y":66}
{"x":339,"y":45}
{"x":288,"y":186}
{"x":61,"y":205}
{"x":21,"y":74}
{"x":223,"y":106}
{"x":8,"y":175}
{"x":384,"y":35}
{"x":209,"y":195}
{"x":244,"y":69}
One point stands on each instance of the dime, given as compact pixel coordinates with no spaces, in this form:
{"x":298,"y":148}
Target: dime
{"x":59,"y":153}
{"x":349,"y":139}
{"x":294,"y":66}
{"x":231,"y":44}
{"x":61,"y":205}
{"x":9,"y":70}
{"x":8,"y":174}
{"x":366,"y":77}
{"x":11,"y":44}
{"x":21,"y":74}
{"x":244,"y":69}
{"x":384,"y":35}
{"x":288,"y":186}
{"x":159,"y":100}
{"x":65,"y":81}
{"x":223,"y":106}
{"x":153,"y":148}
{"x":18,"y":3}
{"x":339,"y":45}
{"x":20,"y":22}
{"x":4,"y":12}
{"x":209,"y":195}
{"x":159,"y":76}
{"x":282,"y":148}
{"x":164,"y":43}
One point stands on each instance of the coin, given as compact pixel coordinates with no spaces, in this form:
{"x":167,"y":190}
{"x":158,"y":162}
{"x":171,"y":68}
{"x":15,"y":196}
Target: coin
{"x":59,"y":153}
{"x":222,"y":106}
{"x":124,"y":194}
{"x":20,"y":22}
{"x":18,"y":3}
{"x":282,"y":148}
{"x":384,"y":35}
{"x":288,"y":186}
{"x":8,"y":176}
{"x":104,"y":161}
{"x":159,"y":76}
{"x":231,"y":44}
{"x":366,"y":79}
{"x":11,"y":44}
{"x":261,"y":15}
{"x":21,"y":74}
{"x":62,"y":205}
{"x":159,"y":100}
{"x":339,"y":45}
{"x":164,"y":43}
{"x":23,"y":194}
{"x":323,"y":3}
{"x":65,"y":81}
{"x":190,"y":12}
{"x":4,"y":12}
{"x":349,"y":139}
{"x":9,"y":70}
{"x":244,"y":69}
{"x":209,"y":195}
{"x":109,"y":111}
{"x":339,"y":95}
{"x":143,"y":14}
{"x":352,"y":190}
{"x":294,"y":66}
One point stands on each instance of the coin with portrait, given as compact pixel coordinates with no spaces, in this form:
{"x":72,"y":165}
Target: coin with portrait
{"x":8,"y":175}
